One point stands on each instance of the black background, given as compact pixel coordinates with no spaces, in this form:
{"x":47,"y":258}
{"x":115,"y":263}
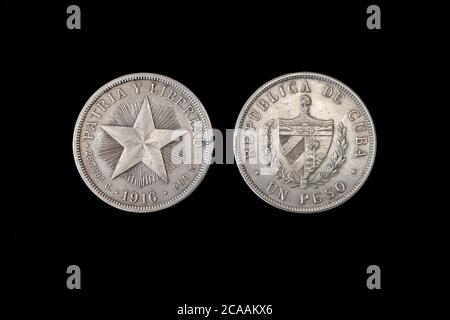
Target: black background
{"x":221,"y":245}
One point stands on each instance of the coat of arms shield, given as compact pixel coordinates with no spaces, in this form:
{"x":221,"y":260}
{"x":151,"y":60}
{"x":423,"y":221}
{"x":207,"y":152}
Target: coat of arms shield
{"x":304,"y":142}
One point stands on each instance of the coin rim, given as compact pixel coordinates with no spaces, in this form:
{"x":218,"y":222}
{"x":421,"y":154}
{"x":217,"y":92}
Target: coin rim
{"x":298,"y":76}
{"x":207,"y":153}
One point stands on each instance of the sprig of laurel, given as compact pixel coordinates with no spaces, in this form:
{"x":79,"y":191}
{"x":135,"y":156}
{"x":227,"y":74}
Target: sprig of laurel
{"x":337,"y":159}
{"x":271,"y":157}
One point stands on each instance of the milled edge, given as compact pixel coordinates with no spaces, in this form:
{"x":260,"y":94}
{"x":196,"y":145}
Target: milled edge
{"x":313,"y":76}
{"x":206,"y":160}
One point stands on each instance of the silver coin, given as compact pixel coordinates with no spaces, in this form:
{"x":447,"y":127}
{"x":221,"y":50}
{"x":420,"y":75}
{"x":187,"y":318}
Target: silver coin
{"x":143,"y":142}
{"x":304,"y":142}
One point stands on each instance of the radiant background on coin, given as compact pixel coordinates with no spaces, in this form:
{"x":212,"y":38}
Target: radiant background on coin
{"x":142,"y":142}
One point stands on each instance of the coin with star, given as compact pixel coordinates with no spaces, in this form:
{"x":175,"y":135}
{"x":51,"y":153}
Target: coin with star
{"x":143,"y":142}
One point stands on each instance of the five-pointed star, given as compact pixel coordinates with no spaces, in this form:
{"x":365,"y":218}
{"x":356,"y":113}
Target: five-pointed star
{"x":142,"y":143}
